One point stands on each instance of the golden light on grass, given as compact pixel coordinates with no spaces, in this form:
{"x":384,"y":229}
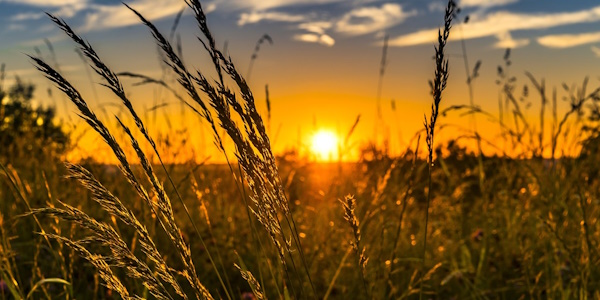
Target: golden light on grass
{"x":324,"y":145}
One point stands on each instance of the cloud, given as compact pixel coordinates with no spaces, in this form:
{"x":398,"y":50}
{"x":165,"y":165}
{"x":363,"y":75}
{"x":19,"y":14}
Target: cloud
{"x":209,"y":7}
{"x":256,"y":17}
{"x":499,"y":23}
{"x":69,"y":11}
{"x":485,"y":3}
{"x":357,"y":21}
{"x":316,"y":27}
{"x":569,"y":40}
{"x":27,"y":16}
{"x":322,"y":39}
{"x":103,"y":16}
{"x":370,"y":19}
{"x":505,"y":40}
{"x":63,"y":9}
{"x":114,"y":16}
{"x":46,"y":3}
{"x":262,"y":5}
{"x":316,"y":33}
{"x":596,"y":51}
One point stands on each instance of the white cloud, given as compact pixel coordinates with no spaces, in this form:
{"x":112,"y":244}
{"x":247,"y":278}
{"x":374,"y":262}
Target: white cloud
{"x":316,"y":27}
{"x":316,"y":33}
{"x":370,"y":19}
{"x":323,"y":39}
{"x":209,"y":7}
{"x":68,"y":11}
{"x":262,"y":5}
{"x":326,"y":40}
{"x":485,"y":3}
{"x":505,"y":40}
{"x":315,"y":30}
{"x":499,"y":23}
{"x":27,"y":16}
{"x":596,"y":51}
{"x":63,"y":9}
{"x":114,"y":16}
{"x":46,"y":3}
{"x":569,"y":40}
{"x":257,"y":16}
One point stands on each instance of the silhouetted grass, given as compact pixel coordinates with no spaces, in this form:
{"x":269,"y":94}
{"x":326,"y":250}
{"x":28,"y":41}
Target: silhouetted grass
{"x":452,"y":224}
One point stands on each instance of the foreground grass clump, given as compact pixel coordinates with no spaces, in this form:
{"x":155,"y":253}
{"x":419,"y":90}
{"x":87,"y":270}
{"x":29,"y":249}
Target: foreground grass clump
{"x":457,"y":226}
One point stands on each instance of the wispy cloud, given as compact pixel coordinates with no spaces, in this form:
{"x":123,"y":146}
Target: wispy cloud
{"x":263,"y":5}
{"x":322,"y":39}
{"x":500,"y":23}
{"x":316,"y":27}
{"x":258,"y":16}
{"x":69,"y":11}
{"x":505,"y":40}
{"x":114,"y":16}
{"x":46,"y":3}
{"x":63,"y":9}
{"x":370,"y":19}
{"x":102,"y":16}
{"x":352,"y":18}
{"x":316,"y":33}
{"x":485,"y":3}
{"x":569,"y":40}
{"x":27,"y":16}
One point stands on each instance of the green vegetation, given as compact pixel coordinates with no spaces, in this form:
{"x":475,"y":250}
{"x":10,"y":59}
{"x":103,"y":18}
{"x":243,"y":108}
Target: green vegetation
{"x":26,"y":132}
{"x":449,"y":224}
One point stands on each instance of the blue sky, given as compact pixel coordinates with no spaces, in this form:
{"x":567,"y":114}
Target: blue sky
{"x":409,"y":22}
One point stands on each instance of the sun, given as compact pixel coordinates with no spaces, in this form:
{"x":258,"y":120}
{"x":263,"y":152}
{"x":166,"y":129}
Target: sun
{"x":324,"y":145}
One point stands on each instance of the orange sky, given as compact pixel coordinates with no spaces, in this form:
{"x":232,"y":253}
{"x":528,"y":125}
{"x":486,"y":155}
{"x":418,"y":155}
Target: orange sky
{"x":314,"y":85}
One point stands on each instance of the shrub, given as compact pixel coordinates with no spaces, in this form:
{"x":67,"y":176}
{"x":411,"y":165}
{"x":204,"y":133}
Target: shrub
{"x":28,"y":132}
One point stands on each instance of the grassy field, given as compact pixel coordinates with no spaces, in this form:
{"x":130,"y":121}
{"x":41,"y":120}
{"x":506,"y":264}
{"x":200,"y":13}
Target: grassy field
{"x":437,"y":222}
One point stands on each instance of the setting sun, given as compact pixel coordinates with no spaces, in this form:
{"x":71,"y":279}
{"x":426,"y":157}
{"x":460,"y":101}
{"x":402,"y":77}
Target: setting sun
{"x":324,"y":145}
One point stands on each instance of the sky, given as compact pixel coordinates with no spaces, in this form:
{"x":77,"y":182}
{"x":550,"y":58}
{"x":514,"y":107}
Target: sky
{"x":323,"y":67}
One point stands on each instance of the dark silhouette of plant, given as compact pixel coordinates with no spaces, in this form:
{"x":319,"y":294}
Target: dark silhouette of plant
{"x":27,"y":131}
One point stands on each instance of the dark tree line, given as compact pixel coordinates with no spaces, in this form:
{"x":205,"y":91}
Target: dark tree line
{"x":28,"y":132}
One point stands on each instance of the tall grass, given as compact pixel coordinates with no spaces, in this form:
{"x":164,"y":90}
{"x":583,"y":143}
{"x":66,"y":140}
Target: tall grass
{"x":459,"y":225}
{"x":437,"y":87}
{"x":253,"y":152}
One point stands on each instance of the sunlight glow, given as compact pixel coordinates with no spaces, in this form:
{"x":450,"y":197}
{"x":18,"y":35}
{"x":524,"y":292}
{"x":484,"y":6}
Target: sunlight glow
{"x":324,"y":145}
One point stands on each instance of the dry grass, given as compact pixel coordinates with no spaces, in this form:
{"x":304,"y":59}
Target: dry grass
{"x":437,"y":87}
{"x":494,"y":227}
{"x":253,"y":152}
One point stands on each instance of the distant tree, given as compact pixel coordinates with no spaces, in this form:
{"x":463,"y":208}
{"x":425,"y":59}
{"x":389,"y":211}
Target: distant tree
{"x":28,"y":132}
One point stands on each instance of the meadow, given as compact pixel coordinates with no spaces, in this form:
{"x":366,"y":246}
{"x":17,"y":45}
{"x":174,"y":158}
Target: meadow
{"x":440,"y":221}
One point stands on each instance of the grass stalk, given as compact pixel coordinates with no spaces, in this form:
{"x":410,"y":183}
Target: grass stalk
{"x":349,"y":205}
{"x":438,"y":85}
{"x":114,"y":84}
